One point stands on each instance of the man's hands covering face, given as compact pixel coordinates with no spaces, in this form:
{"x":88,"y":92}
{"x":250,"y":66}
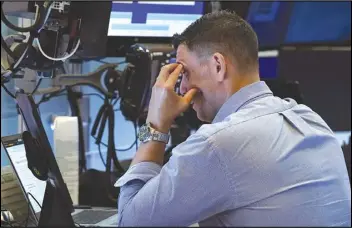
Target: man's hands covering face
{"x":165,"y":105}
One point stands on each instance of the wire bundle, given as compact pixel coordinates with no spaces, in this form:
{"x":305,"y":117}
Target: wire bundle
{"x":106,"y":114}
{"x":42,"y":15}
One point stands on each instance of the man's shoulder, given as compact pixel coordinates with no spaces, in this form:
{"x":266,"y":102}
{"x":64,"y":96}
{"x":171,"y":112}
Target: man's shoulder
{"x":235,"y":125}
{"x":247,"y":117}
{"x":258,"y":117}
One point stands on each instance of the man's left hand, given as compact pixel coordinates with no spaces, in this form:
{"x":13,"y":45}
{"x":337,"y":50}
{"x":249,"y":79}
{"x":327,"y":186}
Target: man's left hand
{"x":165,"y":104}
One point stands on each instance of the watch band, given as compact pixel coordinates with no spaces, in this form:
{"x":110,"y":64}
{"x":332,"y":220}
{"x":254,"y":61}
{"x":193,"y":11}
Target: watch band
{"x":148,"y":133}
{"x":161,"y":137}
{"x":157,"y":135}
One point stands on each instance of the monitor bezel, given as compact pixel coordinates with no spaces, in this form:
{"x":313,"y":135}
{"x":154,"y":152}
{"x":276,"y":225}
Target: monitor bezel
{"x":117,"y":46}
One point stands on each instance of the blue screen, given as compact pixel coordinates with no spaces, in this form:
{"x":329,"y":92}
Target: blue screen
{"x":277,"y":23}
{"x":268,"y":67}
{"x":319,"y":22}
{"x":269,"y":20}
{"x":268,"y":64}
{"x":152,"y":19}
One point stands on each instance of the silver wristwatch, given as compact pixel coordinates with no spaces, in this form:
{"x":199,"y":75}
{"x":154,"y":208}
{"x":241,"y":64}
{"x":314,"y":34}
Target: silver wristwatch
{"x":147,"y":133}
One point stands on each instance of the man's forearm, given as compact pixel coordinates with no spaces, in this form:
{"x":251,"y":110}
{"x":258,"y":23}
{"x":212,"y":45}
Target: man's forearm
{"x":152,"y":151}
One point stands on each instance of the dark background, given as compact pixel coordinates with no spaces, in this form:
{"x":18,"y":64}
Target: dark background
{"x":325,"y":81}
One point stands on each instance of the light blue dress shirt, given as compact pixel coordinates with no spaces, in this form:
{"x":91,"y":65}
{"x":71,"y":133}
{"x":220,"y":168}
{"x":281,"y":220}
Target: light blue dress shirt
{"x":264,"y":161}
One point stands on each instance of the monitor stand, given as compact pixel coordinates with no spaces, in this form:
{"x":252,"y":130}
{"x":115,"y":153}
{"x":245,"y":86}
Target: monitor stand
{"x":57,"y":204}
{"x":54,"y":211}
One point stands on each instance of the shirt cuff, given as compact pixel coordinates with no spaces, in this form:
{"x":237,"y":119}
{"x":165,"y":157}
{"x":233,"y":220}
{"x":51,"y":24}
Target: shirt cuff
{"x":143,"y":171}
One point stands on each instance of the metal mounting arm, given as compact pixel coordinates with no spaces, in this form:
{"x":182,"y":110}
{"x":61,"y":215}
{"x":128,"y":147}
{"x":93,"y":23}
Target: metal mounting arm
{"x":103,"y":79}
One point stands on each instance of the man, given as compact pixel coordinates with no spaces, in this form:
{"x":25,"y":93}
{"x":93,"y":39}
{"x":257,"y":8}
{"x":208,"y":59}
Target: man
{"x":262,"y":160}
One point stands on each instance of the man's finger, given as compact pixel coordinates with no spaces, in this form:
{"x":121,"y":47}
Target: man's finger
{"x":171,"y":81}
{"x":165,"y":71}
{"x":188,"y":97}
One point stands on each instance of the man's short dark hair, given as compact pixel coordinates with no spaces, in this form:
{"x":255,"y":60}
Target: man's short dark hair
{"x":224,"y":32}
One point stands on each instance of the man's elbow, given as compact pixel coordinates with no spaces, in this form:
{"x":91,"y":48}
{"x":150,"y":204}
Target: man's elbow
{"x":131,"y":220}
{"x":129,"y":216}
{"x":133,"y":217}
{"x":124,"y":218}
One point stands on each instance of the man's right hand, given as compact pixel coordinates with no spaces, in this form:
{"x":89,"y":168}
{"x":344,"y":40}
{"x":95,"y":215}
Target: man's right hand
{"x":165,"y":104}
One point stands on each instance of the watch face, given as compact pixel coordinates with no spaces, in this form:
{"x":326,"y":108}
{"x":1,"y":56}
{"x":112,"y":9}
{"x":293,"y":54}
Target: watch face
{"x":144,"y":133}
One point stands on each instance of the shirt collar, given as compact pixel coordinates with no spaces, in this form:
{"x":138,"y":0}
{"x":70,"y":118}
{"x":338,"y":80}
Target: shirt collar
{"x":242,"y":97}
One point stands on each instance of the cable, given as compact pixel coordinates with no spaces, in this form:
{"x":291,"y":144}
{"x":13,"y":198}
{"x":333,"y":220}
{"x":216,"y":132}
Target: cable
{"x":46,"y":17}
{"x":8,"y":92}
{"x":65,"y":57}
{"x":28,"y":212}
{"x":106,"y":114}
{"x":128,"y":148}
{"x":24,"y":54}
{"x":36,"y":87}
{"x":45,"y":68}
{"x":31,"y":38}
{"x":97,"y":59}
{"x":30,"y":194}
{"x":118,"y":150}
{"x":30,"y":41}
{"x":94,"y":94}
{"x":46,"y":98}
{"x":57,"y":94}
{"x":11,"y":53}
{"x":116,"y":100}
{"x":101,"y":155}
{"x":6,"y":48}
{"x":38,"y":15}
{"x":136,"y":133}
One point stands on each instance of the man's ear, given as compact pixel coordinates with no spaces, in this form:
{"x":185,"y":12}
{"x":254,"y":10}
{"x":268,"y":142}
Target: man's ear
{"x":219,"y":66}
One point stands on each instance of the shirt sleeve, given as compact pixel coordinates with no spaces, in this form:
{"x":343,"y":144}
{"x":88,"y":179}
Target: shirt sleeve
{"x":191,"y":187}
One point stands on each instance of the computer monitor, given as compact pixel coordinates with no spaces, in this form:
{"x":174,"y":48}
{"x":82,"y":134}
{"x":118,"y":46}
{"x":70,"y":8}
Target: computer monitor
{"x":154,"y":22}
{"x":319,"y":23}
{"x":281,"y":23}
{"x":16,"y":152}
{"x":57,"y":203}
{"x":152,"y":18}
{"x":268,"y":64}
{"x":269,"y":20}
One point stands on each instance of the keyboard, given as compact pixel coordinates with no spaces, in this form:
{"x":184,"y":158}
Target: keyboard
{"x":92,"y":216}
{"x":12,"y":196}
